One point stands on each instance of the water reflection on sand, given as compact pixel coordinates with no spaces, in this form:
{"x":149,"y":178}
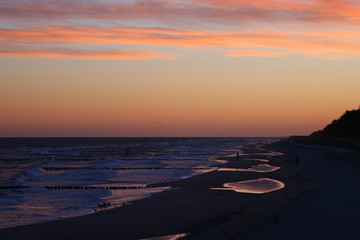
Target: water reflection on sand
{"x":263,"y":154}
{"x":263,"y":168}
{"x":257,"y":186}
{"x":170,"y":237}
{"x":256,"y":159}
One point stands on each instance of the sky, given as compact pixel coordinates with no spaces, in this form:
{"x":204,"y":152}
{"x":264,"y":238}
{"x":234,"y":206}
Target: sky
{"x":176,"y":68}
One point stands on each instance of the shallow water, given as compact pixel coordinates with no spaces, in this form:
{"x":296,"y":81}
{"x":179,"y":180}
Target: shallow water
{"x":65,"y":177}
{"x":263,"y":154}
{"x":170,"y":237}
{"x":256,"y":186}
{"x":263,"y":168}
{"x":257,"y":159}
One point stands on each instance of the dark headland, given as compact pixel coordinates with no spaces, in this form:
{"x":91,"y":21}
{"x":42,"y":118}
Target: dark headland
{"x":341,"y":133}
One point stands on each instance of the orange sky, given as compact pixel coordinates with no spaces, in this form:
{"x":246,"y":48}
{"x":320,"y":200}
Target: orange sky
{"x":176,"y":68}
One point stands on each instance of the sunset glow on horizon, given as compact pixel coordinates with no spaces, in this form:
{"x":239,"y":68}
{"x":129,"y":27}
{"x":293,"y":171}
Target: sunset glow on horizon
{"x":139,"y":68}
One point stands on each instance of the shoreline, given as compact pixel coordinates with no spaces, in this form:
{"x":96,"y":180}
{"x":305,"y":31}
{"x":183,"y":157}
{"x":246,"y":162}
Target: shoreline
{"x":345,"y":143}
{"x":328,"y":212}
{"x":192,"y":208}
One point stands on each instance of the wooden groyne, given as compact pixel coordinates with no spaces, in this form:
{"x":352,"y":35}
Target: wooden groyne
{"x":14,"y":187}
{"x":126,"y":168}
{"x":78,"y":187}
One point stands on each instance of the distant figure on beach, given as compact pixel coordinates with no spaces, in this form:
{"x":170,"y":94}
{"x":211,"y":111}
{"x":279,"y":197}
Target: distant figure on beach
{"x":238,"y":156}
{"x":296,"y":161}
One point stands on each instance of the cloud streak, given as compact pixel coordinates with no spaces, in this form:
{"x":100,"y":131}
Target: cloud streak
{"x":233,"y":43}
{"x":17,"y":49}
{"x":239,"y":28}
{"x":200,"y":11}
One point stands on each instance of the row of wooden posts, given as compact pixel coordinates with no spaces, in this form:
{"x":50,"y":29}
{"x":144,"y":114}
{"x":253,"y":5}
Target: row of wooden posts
{"x":78,"y":187}
{"x":125,"y":168}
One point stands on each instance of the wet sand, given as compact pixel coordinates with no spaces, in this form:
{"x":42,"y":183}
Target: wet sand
{"x":329,"y":212}
{"x":214,"y":214}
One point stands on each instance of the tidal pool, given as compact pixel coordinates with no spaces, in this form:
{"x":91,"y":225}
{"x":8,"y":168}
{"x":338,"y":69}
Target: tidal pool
{"x":256,"y":186}
{"x":263,"y":168}
{"x":170,"y":237}
{"x":266,"y":154}
{"x":256,"y":159}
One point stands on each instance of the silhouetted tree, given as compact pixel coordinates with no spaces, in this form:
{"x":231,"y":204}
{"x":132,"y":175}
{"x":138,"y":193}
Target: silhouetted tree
{"x":348,"y":125}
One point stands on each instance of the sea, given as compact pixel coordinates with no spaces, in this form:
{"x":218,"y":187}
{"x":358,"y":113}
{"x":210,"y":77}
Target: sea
{"x":46,"y":179}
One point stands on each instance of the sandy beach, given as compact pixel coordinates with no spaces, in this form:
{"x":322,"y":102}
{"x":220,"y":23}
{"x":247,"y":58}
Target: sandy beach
{"x":328,"y":211}
{"x":319,"y":201}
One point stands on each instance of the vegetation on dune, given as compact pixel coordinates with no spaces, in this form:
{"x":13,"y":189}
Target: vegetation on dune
{"x":341,"y":133}
{"x":348,"y":125}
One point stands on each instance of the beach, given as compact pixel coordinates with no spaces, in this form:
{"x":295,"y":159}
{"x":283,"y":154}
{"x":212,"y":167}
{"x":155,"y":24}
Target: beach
{"x":328,"y":211}
{"x":319,"y":201}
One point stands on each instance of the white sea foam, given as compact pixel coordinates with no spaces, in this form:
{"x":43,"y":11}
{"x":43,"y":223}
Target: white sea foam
{"x":55,"y":174}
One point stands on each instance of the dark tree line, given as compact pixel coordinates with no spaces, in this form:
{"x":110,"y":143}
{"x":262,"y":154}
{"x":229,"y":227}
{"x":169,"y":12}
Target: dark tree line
{"x":348,"y":125}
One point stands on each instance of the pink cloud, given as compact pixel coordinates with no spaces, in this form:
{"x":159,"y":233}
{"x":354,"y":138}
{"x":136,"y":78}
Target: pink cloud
{"x":15,"y":50}
{"x":234,"y":43}
{"x":175,"y":12}
{"x":195,"y":25}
